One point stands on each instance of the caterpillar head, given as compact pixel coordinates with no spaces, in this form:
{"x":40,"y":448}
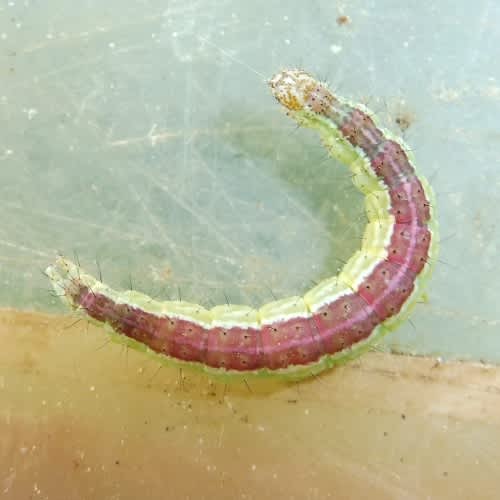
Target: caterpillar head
{"x":297,"y":90}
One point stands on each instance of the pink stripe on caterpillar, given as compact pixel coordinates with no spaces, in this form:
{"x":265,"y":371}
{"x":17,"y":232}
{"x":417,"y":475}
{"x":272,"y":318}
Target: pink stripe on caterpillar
{"x":338,"y":318}
{"x":391,"y":163}
{"x":298,"y":343}
{"x":402,"y":240}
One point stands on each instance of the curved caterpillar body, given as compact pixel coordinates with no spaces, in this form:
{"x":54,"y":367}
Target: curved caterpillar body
{"x":336,"y":320}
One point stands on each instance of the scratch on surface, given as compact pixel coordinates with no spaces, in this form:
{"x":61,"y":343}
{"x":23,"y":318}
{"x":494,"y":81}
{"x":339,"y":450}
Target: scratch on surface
{"x":73,"y":221}
{"x":84,"y":35}
{"x":197,"y":215}
{"x":23,"y":248}
{"x":159,"y":137}
{"x":159,"y":228}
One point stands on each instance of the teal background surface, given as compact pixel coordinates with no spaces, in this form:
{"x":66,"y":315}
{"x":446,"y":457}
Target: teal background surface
{"x":142,"y":135}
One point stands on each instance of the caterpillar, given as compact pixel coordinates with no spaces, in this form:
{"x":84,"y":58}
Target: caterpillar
{"x":336,"y":320}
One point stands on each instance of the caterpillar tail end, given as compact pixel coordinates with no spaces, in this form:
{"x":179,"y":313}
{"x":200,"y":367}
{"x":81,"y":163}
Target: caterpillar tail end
{"x":65,"y":278}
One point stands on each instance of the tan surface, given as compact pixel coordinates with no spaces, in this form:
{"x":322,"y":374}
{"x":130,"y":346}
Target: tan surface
{"x":82,"y":418}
